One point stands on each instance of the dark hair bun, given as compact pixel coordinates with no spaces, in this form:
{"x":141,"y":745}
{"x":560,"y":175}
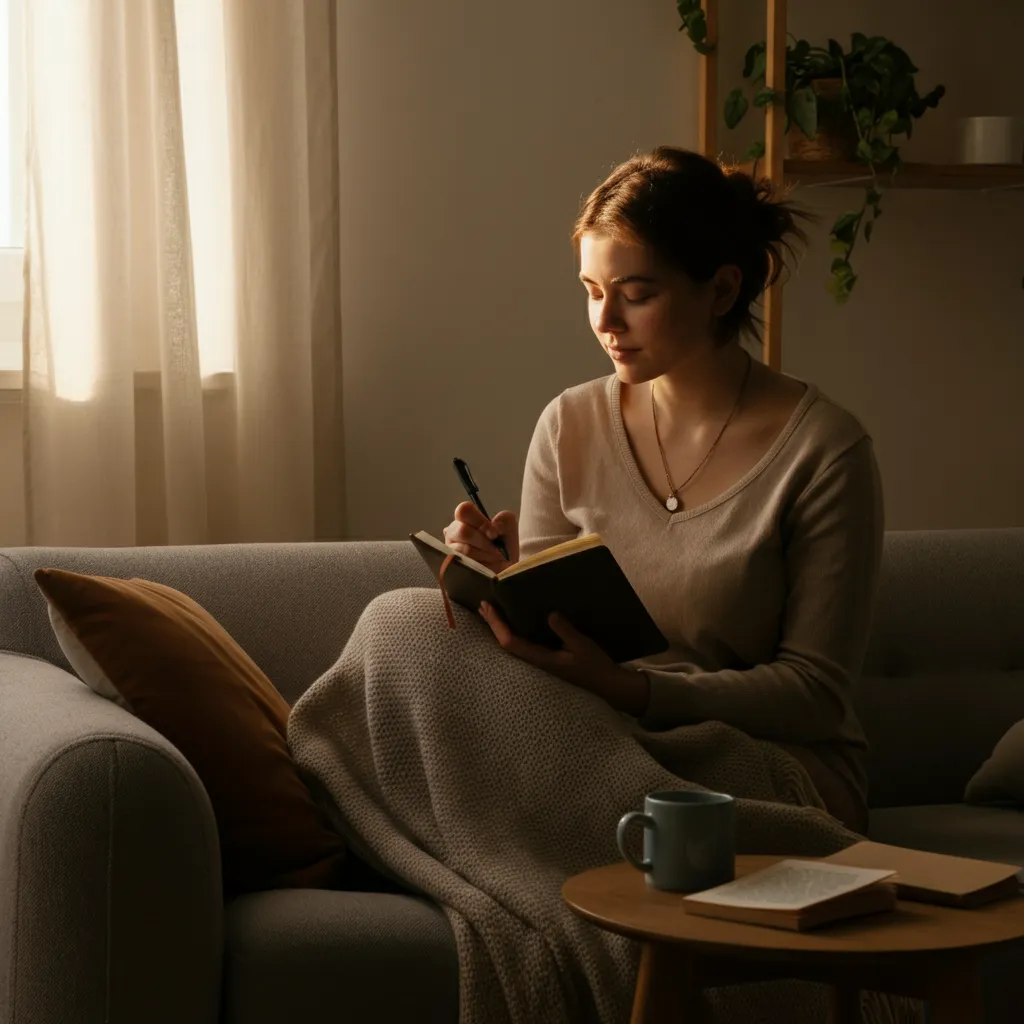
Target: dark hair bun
{"x":698,"y":216}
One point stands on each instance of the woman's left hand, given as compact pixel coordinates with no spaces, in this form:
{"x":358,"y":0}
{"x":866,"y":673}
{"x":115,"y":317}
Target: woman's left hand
{"x":580,"y":662}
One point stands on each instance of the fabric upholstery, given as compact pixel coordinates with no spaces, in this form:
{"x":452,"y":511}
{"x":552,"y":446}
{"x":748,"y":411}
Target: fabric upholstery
{"x":947,"y":635}
{"x":989,"y":833}
{"x":1000,"y":780}
{"x":946,"y":639}
{"x":305,"y":956}
{"x":111,"y":906}
{"x":183,"y":674}
{"x":291,"y":607}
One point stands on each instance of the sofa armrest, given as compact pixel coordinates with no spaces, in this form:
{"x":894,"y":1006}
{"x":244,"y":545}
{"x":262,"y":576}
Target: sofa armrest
{"x":111,"y":906}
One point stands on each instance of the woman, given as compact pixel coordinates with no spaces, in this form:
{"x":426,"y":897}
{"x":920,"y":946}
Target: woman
{"x":743,"y":504}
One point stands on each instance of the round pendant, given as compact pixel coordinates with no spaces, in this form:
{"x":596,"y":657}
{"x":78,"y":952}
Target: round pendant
{"x":671,"y":503}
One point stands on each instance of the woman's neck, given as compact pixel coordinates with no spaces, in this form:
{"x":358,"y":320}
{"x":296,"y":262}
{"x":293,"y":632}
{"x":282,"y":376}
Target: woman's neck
{"x":702,"y":387}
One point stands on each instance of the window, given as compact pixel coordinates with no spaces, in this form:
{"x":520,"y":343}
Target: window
{"x":12,"y":185}
{"x":202,"y":77}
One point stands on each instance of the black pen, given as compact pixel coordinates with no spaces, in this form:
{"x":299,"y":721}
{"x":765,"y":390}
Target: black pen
{"x":474,"y":496}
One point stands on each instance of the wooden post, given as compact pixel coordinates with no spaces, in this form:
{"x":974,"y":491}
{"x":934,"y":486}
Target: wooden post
{"x":775,"y":78}
{"x":707,"y":134}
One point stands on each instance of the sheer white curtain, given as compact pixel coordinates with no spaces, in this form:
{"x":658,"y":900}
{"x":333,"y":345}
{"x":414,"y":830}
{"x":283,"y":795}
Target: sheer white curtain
{"x":182,"y":326}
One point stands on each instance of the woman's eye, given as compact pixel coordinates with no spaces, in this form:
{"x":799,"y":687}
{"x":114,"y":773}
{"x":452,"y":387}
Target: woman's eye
{"x":635,"y":301}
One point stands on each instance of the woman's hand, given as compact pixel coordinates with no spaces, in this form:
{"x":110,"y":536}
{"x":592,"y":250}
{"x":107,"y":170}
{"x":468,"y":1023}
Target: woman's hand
{"x":580,"y":662}
{"x":471,"y":533}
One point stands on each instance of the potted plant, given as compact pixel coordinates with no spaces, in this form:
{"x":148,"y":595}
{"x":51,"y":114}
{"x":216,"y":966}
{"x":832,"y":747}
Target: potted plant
{"x":847,"y":106}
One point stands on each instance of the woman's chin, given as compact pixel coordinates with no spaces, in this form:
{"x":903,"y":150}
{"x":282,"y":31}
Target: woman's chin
{"x":634,"y":372}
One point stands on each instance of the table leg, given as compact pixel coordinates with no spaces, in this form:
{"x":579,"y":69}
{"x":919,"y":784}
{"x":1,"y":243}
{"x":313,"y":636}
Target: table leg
{"x":955,"y":995}
{"x":843,"y":1004}
{"x":668,"y":989}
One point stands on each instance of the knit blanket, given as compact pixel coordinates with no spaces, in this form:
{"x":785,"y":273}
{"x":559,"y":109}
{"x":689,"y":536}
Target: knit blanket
{"x":484,"y":783}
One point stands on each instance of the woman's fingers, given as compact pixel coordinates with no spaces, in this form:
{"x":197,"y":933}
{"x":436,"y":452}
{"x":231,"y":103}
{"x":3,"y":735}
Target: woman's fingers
{"x":537,"y":655}
{"x":471,"y":533}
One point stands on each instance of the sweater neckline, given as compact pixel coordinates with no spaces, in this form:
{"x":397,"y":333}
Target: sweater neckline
{"x":614,"y":391}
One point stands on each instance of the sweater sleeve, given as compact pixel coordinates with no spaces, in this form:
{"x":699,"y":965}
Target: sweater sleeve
{"x":542,"y":521}
{"x":832,"y":548}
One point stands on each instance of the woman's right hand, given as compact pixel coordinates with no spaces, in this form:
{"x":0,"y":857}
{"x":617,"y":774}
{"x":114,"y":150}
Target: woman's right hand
{"x":470,"y":533}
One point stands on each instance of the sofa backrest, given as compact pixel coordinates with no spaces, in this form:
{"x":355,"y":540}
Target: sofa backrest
{"x":943,"y":678}
{"x":290,"y":606}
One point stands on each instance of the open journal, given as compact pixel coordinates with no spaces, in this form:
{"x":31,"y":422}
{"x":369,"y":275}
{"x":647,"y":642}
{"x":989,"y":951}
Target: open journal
{"x":797,"y":894}
{"x":579,"y":578}
{"x":935,"y":877}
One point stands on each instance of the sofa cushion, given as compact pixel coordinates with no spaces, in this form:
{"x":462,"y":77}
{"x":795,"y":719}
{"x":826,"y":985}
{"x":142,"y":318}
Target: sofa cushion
{"x":163,"y":657}
{"x":1000,"y":780}
{"x":987,"y":833}
{"x":306,"y":956}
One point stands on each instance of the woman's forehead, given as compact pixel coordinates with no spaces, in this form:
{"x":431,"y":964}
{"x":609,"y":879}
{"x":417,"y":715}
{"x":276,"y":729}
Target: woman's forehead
{"x":613,"y":258}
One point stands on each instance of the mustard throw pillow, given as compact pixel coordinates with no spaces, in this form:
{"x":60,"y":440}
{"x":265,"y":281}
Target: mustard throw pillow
{"x":167,"y":660}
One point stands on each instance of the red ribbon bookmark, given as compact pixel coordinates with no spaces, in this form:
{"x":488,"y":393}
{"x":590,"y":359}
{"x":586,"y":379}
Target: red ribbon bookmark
{"x":444,"y":593}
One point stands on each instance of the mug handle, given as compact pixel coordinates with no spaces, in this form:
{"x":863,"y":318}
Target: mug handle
{"x":620,"y":837}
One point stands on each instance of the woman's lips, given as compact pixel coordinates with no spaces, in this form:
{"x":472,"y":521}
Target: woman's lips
{"x":623,"y":355}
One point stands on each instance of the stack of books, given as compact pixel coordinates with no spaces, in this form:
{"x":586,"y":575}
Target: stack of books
{"x":866,"y":878}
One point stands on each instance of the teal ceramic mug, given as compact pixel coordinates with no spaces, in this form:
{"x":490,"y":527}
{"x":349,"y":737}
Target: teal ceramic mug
{"x":689,"y":840}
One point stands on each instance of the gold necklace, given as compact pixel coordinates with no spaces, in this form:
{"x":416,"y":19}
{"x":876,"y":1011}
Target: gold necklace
{"x":672,"y":502}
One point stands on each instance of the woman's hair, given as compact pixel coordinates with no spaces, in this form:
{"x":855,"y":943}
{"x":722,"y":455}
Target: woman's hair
{"x":698,"y":216}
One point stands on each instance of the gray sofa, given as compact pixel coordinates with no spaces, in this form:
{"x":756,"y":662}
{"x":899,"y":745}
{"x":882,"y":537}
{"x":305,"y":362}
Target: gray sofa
{"x":110,"y":901}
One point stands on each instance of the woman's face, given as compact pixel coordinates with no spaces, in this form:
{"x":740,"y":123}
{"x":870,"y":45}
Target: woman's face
{"x":648,"y":317}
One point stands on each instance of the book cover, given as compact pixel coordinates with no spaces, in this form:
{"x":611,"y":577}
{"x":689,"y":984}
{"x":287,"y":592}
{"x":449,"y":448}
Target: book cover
{"x":935,"y":877}
{"x":579,"y":578}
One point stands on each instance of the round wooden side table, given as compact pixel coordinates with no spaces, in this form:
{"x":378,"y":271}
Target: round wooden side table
{"x":918,"y":950}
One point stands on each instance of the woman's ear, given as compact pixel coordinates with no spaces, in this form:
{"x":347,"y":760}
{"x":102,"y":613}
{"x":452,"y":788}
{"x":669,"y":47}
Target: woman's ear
{"x":725,"y":288}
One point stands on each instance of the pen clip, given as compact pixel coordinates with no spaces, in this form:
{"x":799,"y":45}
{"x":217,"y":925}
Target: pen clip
{"x":465,"y":476}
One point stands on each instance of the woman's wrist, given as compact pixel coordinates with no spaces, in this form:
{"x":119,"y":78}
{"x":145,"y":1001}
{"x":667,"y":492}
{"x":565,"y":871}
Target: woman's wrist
{"x":627,"y":690}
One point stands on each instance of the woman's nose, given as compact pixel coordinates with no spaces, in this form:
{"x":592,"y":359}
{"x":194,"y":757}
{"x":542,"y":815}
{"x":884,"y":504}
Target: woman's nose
{"x":607,"y":319}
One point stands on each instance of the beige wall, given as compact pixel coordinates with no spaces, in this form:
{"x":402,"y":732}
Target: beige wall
{"x":470,"y":130}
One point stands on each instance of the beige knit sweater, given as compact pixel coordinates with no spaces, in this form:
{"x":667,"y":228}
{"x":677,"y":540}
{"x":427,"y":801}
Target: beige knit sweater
{"x":764,"y":593}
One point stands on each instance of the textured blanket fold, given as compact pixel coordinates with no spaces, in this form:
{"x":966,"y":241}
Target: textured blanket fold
{"x":484,"y":783}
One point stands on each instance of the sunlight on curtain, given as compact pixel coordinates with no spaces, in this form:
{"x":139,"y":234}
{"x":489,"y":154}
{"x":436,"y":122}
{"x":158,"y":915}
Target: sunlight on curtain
{"x":63,"y":132}
{"x":204,"y":114}
{"x":5,"y":130}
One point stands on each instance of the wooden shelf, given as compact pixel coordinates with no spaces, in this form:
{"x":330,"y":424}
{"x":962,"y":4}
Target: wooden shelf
{"x":816,"y":174}
{"x":978,"y":177}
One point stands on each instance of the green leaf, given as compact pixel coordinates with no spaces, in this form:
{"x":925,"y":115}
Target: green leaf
{"x":880,"y":152}
{"x":863,"y":151}
{"x":844,"y":231}
{"x":873,"y":196}
{"x":749,"y":61}
{"x":845,"y":220}
{"x":735,"y":107}
{"x":755,"y":151}
{"x":760,"y":63}
{"x":765,"y":96}
{"x":841,"y":286}
{"x":858,"y":42}
{"x":865,"y":116}
{"x":868,"y":229}
{"x":802,"y":107}
{"x":835,"y":51}
{"x":696,"y":24}
{"x":800,"y":52}
{"x":887,"y":122}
